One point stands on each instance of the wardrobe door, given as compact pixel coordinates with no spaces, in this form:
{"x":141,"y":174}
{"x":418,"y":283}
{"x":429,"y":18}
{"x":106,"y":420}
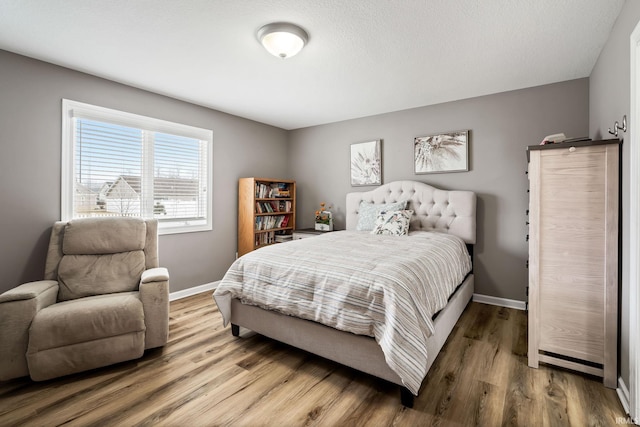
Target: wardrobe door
{"x":574,"y":258}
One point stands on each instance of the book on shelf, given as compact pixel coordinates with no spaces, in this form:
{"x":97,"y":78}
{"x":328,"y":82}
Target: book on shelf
{"x":273,"y":207}
{"x":265,"y":238}
{"x":281,"y":238}
{"x":285,"y":206}
{"x":275,"y":190}
{"x":260,"y":190}
{"x":271,"y":222}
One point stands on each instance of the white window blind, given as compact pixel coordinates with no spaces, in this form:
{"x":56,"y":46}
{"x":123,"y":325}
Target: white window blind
{"x":129,"y":165}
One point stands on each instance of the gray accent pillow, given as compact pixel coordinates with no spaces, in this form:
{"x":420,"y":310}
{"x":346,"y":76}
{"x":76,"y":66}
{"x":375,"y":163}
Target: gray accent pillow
{"x":368,"y":212}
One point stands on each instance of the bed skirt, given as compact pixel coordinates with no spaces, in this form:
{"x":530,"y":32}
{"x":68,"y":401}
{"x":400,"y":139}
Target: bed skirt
{"x":356,"y":351}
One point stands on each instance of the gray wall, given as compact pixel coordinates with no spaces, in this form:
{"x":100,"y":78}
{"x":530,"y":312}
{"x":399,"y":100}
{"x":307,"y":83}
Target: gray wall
{"x":501,"y":125}
{"x":31,"y":94}
{"x":610,"y":90}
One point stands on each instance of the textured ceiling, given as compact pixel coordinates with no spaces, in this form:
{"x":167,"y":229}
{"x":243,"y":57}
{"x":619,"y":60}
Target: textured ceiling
{"x":364,"y":57}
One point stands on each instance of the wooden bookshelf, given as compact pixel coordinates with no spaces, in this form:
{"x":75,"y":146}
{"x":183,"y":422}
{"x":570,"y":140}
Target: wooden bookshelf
{"x":266,"y":209}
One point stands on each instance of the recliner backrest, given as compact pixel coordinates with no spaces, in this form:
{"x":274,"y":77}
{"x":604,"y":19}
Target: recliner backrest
{"x":96,"y":256}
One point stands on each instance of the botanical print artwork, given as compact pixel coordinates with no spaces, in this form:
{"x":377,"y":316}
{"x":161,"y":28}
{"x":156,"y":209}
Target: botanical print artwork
{"x":444,"y":152}
{"x":366,"y":168}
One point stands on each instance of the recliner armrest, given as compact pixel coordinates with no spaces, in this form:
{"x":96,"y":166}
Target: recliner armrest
{"x":31,"y":290}
{"x":158,"y":274}
{"x":18,"y":307}
{"x":154,"y":294}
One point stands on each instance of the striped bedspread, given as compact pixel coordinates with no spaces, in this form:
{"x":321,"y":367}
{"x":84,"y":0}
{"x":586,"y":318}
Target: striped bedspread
{"x":386,"y":287}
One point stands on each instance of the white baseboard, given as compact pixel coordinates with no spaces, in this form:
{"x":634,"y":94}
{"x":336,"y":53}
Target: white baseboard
{"x":623,"y":394}
{"x":193,"y":291}
{"x":502,"y":302}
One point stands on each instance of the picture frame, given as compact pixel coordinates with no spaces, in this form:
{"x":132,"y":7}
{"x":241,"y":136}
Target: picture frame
{"x":366,"y":163}
{"x":441,"y":152}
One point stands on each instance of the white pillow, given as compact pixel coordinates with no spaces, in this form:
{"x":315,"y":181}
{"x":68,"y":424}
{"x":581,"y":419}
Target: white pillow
{"x":368,"y":212}
{"x":394,"y":223}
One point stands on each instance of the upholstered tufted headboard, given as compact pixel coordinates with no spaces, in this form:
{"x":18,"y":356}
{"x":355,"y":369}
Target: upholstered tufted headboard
{"x":452,"y":212}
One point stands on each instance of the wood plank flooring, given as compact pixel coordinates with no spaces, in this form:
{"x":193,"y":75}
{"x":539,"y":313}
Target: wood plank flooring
{"x":206,"y":377}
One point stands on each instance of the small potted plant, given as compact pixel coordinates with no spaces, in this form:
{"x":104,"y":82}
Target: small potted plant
{"x":324,"y":219}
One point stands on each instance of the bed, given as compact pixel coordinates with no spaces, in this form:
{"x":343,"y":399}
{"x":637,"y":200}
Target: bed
{"x":403,"y":352}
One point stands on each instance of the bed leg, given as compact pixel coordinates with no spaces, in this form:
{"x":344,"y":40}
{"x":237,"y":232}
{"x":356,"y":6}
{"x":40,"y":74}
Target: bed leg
{"x":406,"y":397}
{"x":235,"y":330}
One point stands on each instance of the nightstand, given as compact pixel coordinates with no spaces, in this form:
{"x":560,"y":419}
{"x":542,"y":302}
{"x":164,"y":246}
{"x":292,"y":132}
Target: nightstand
{"x":307,"y":232}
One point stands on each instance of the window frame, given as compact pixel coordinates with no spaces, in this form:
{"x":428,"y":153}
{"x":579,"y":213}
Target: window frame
{"x":77,"y":110}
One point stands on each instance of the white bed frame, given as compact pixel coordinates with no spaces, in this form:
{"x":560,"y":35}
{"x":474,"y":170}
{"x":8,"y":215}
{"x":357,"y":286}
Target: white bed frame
{"x":452,"y":212}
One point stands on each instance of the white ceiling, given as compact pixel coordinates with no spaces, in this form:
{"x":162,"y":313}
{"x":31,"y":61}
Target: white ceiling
{"x":364,"y":57}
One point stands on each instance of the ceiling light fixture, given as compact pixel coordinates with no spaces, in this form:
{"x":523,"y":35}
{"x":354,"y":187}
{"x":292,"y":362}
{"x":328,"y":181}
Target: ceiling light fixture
{"x":282,"y":39}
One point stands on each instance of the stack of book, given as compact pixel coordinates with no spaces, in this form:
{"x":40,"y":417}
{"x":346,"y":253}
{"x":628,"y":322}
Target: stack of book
{"x":281,"y":238}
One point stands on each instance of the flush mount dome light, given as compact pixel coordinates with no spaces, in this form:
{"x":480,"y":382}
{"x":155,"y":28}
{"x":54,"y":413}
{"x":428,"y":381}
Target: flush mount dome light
{"x":282,"y":39}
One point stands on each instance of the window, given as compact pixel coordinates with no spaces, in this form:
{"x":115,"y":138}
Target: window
{"x":122,"y":164}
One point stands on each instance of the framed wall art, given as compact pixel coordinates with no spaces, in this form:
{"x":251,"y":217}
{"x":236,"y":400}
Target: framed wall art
{"x":442,"y":152}
{"x":366,"y":163}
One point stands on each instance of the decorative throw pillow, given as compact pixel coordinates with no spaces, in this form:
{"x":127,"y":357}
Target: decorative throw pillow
{"x":394,"y":223}
{"x":368,"y":212}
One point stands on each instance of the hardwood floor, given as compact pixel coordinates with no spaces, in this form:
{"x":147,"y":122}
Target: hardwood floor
{"x":206,"y":377}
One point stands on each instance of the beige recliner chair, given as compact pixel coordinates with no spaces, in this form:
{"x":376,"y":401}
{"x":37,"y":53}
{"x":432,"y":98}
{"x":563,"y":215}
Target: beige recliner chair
{"x":103,"y":301}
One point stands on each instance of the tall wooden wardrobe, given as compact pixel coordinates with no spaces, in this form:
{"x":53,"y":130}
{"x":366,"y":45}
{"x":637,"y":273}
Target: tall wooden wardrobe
{"x":574,"y":201}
